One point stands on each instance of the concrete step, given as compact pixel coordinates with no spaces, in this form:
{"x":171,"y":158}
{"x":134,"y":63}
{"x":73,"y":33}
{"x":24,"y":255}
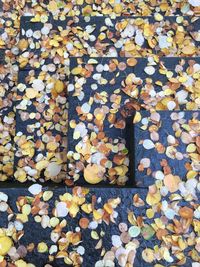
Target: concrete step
{"x":145,"y":90}
{"x":9,"y":29}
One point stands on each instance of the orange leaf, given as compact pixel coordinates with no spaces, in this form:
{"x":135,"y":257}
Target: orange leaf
{"x":186,"y":212}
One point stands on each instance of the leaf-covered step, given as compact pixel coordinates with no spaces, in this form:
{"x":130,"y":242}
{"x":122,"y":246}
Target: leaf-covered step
{"x":7,"y":133}
{"x":9,"y":30}
{"x":41,"y":125}
{"x":103,"y":36}
{"x":64,"y":8}
{"x":103,"y":92}
{"x":7,"y":83}
{"x":164,"y":147}
{"x":79,"y":226}
{"x":97,"y":151}
{"x":7,"y":120}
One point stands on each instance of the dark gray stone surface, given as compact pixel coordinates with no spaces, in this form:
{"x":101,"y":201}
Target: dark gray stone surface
{"x":168,"y":23}
{"x":138,"y":152}
{"x":33,"y":232}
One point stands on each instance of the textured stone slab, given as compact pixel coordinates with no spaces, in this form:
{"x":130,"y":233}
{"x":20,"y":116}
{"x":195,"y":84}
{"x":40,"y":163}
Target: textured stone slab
{"x":41,"y":125}
{"x":96,"y":123}
{"x":7,"y":132}
{"x":7,"y":120}
{"x":102,"y":36}
{"x":165,"y":143}
{"x":123,"y":7}
{"x":9,"y":29}
{"x":35,"y":233}
{"x":174,"y":85}
{"x":7,"y":83}
{"x":117,"y":87}
{"x":128,"y":207}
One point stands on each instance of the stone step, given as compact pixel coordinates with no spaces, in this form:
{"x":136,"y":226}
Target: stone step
{"x":114,"y":8}
{"x":8,"y":78}
{"x":112,"y":89}
{"x":9,"y":29}
{"x":158,"y":230}
{"x":7,"y":133}
{"x":7,"y":120}
{"x":169,"y":73}
{"x":7,"y":83}
{"x":164,"y":144}
{"x":119,"y":218}
{"x":35,"y":231}
{"x":41,"y":125}
{"x":103,"y":36}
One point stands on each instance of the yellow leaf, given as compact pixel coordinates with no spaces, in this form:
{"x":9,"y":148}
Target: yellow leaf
{"x":191,"y":174}
{"x":42,"y":247}
{"x":76,"y":71}
{"x":54,"y":43}
{"x":5,"y":245}
{"x":41,"y":165}
{"x":153,"y":199}
{"x":36,"y":18}
{"x":148,"y":255}
{"x":73,"y":210}
{"x":31,"y":93}
{"x":150,"y":213}
{"x":94,"y":235}
{"x":118,"y":8}
{"x":87,"y":208}
{"x":59,"y":86}
{"x":52,"y":6}
{"x":137,"y":117}
{"x":20,"y":263}
{"x":108,"y":208}
{"x":93,"y":174}
{"x":97,"y":215}
{"x":22,"y":217}
{"x":189,"y":50}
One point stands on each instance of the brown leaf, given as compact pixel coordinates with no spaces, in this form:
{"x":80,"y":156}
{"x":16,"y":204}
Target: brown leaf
{"x":186,"y":212}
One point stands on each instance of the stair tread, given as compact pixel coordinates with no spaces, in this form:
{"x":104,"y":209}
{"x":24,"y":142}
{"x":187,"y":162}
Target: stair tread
{"x":101,"y":36}
{"x":125,"y":7}
{"x":35,"y":232}
{"x":42,"y":119}
{"x":126,"y":92}
{"x":174,"y":158}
